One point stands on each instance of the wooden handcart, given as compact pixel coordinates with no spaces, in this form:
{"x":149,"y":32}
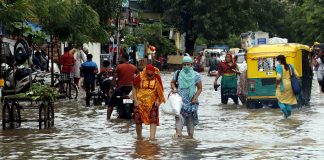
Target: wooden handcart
{"x":12,"y":110}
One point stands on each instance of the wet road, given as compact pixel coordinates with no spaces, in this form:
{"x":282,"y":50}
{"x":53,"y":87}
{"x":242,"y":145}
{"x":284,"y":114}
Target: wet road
{"x":225,"y":132}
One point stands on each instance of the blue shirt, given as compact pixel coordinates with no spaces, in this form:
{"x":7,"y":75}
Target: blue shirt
{"x":89,"y":69}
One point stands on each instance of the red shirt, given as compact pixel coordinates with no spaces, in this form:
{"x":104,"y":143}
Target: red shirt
{"x":103,"y":69}
{"x":67,"y":62}
{"x":125,"y":74}
{"x":106,"y":70}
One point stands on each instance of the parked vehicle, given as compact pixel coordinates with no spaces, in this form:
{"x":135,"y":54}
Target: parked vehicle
{"x":18,"y":79}
{"x":261,"y":72}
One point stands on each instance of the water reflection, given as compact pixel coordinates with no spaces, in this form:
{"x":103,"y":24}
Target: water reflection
{"x":188,"y":148}
{"x":146,"y":149}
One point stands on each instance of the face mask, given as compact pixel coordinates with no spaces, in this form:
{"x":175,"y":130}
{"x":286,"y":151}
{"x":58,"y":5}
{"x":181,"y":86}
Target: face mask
{"x":187,"y":69}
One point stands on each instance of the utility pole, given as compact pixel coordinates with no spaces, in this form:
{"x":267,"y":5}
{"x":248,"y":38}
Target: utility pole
{"x":118,"y":34}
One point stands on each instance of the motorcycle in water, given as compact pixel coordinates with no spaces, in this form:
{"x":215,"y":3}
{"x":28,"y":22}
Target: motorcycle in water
{"x":125,"y":105}
{"x":103,"y":92}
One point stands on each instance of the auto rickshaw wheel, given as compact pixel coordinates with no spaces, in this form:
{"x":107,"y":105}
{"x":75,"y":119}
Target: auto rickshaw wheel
{"x":43,"y":118}
{"x":50,"y":115}
{"x":250,"y":104}
{"x":16,"y":117}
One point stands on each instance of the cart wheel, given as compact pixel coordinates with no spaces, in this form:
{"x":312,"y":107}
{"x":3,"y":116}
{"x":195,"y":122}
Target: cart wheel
{"x":5,"y":116}
{"x":50,"y":115}
{"x":43,"y":116}
{"x":16,"y":117}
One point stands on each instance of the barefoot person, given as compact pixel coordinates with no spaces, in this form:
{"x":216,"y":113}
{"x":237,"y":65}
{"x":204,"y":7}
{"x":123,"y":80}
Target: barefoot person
{"x":148,"y":95}
{"x":189,"y":86}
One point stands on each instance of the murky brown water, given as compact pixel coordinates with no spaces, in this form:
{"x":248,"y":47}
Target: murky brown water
{"x":225,"y":132}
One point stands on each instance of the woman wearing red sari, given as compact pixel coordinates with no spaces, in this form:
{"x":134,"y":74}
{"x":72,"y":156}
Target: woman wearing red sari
{"x":228,"y":71}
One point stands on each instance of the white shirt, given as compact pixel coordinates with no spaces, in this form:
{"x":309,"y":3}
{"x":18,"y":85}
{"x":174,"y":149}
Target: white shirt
{"x":320,"y":70}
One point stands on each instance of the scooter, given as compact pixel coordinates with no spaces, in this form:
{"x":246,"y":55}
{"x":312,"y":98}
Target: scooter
{"x":104,"y":91}
{"x":125,"y":105}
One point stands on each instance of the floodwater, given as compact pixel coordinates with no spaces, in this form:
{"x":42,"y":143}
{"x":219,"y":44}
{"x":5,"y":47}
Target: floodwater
{"x":224,"y":132}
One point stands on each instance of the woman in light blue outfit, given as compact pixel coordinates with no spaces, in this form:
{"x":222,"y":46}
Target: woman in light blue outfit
{"x":187,"y":83}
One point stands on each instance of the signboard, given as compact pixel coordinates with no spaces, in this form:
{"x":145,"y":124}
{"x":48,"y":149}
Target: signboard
{"x":262,"y":41}
{"x":251,"y":39}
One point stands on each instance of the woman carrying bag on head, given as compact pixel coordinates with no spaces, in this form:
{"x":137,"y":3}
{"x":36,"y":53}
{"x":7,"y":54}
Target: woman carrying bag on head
{"x":284,"y":91}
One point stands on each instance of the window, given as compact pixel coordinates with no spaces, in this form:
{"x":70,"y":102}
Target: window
{"x":266,"y":64}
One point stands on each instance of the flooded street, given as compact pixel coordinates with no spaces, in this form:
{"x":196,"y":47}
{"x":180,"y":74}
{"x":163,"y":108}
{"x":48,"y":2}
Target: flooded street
{"x":224,"y":132}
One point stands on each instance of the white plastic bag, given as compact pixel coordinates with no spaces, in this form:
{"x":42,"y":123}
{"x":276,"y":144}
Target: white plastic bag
{"x":166,"y":107}
{"x":173,"y":105}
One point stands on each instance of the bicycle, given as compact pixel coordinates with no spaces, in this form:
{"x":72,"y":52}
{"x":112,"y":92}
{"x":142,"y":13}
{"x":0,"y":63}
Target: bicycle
{"x":66,"y":87}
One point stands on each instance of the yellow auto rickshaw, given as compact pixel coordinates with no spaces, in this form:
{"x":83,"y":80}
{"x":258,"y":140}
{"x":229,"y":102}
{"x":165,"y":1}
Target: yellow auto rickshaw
{"x":261,"y":73}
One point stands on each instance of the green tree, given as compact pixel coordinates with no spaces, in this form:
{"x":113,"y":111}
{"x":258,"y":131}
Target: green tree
{"x":105,"y":8}
{"x":213,"y":20}
{"x":307,"y":21}
{"x":108,"y":10}
{"x":72,"y":21}
{"x":151,"y":33}
{"x":14,"y":13}
{"x":219,"y":20}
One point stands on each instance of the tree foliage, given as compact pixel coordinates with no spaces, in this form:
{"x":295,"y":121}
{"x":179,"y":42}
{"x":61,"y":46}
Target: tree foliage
{"x":151,"y":33}
{"x":307,"y":21}
{"x":13,"y":13}
{"x":71,"y":21}
{"x":220,"y":21}
{"x":105,"y":8}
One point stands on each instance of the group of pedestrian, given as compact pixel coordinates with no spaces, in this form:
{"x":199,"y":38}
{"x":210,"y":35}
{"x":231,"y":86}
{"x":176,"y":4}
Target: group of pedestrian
{"x":148,"y":93}
{"x":71,"y":62}
{"x":76,"y":62}
{"x":229,"y":71}
{"x":148,"y":90}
